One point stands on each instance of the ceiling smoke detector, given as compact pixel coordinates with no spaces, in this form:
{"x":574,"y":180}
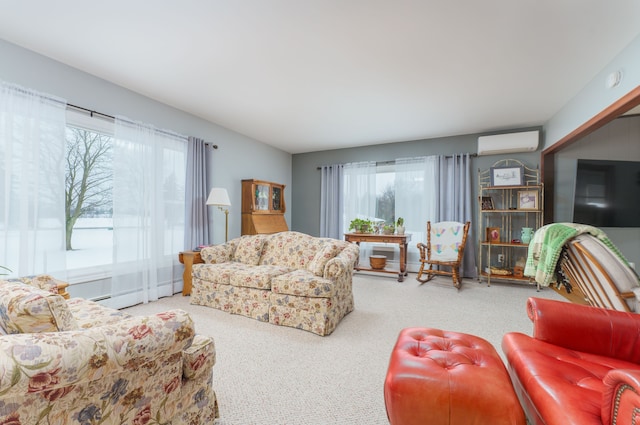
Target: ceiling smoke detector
{"x":613,"y":80}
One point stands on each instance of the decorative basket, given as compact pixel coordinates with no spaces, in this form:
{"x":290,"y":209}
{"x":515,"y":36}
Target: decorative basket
{"x":378,"y":262}
{"x":499,"y":271}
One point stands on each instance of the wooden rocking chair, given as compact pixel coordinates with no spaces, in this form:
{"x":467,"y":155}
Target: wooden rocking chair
{"x":445,"y":247}
{"x":602,"y":277}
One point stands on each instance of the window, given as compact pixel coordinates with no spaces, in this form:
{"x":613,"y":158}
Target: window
{"x":88,"y":194}
{"x":386,"y":193}
{"x":404,"y":188}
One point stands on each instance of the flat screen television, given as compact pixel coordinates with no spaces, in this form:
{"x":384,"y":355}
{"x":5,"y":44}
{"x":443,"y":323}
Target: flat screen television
{"x":607,"y":193}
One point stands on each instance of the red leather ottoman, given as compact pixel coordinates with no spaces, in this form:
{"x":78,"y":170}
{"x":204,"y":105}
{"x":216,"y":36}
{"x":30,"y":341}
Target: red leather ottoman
{"x":438,"y":377}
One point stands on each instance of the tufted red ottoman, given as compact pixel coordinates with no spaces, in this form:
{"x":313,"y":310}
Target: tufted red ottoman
{"x":437,"y":377}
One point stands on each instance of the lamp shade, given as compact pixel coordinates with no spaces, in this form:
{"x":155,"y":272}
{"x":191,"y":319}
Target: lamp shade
{"x":218,"y":196}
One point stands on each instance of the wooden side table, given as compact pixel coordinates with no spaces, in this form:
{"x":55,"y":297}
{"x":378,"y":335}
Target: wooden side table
{"x":188,"y":258}
{"x":62,"y":290}
{"x":401,"y":240}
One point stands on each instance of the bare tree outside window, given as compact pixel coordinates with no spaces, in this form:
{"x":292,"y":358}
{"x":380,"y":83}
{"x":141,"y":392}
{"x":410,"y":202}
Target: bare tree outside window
{"x":386,"y":205}
{"x":89,"y":177}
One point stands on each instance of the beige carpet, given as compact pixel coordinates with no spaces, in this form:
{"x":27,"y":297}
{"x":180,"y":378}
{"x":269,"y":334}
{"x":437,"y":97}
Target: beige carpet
{"x":268,"y":374}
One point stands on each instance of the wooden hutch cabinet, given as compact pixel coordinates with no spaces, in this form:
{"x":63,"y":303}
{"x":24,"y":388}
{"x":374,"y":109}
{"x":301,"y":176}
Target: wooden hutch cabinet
{"x":263,"y":207}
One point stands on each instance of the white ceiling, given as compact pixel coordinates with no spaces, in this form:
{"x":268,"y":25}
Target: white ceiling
{"x":310,"y":75}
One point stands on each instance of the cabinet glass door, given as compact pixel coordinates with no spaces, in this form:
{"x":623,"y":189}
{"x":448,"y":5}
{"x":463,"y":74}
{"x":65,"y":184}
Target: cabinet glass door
{"x":262,"y":197}
{"x":277,"y":199}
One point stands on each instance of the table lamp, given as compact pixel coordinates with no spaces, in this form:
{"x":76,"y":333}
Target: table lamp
{"x":220,"y":198}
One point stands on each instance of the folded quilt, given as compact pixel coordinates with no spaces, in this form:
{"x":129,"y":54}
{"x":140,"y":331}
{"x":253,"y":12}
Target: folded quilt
{"x":546,"y":246}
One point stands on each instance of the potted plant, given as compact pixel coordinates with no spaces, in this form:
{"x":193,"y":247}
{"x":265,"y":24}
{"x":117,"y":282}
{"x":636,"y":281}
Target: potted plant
{"x":388,"y":229}
{"x":4,"y":268}
{"x":400,"y":225}
{"x":360,"y":225}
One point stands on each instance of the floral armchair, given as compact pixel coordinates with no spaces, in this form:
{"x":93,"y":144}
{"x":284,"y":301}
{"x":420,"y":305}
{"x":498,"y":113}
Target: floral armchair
{"x":132,"y":370}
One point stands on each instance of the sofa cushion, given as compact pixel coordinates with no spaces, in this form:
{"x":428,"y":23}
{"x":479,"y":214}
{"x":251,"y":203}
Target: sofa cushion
{"x":89,"y":314}
{"x":27,"y":309}
{"x":322,"y":257}
{"x":290,"y":249}
{"x":217,"y":254}
{"x":249,"y":249}
{"x":218,"y":273}
{"x":257,"y":277}
{"x":303,"y":283}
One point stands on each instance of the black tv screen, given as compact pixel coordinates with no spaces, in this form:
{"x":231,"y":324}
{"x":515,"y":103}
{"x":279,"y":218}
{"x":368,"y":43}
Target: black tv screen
{"x":607,"y":193}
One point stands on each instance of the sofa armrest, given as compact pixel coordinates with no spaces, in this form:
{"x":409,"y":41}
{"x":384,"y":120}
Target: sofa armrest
{"x":45,"y":282}
{"x":351,"y":253}
{"x":200,"y":357}
{"x":587,"y":329}
{"x":42,"y":281}
{"x":621,"y":398}
{"x":26,"y":308}
{"x":335,"y":267}
{"x":58,"y":361}
{"x":342,"y":263}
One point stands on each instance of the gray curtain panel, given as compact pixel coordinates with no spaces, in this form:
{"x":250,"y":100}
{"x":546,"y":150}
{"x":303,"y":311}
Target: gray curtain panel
{"x":331,"y":207}
{"x":455,"y":201}
{"x":196,"y":218}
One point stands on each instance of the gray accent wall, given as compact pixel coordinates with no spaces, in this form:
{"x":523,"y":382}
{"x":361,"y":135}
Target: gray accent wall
{"x":238,"y":157}
{"x":306,"y":176}
{"x":618,"y":140}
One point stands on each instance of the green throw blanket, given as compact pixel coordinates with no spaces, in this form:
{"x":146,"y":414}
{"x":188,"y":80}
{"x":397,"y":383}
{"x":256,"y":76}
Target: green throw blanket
{"x":546,"y":245}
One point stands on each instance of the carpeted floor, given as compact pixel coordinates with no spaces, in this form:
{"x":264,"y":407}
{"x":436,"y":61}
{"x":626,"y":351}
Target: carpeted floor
{"x":268,"y":374}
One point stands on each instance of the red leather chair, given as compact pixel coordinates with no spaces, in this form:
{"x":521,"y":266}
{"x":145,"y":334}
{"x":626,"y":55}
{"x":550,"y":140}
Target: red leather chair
{"x":581,"y":366}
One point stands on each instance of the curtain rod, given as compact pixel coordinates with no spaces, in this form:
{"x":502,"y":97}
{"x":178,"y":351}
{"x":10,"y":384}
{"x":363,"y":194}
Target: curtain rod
{"x":91,"y":112}
{"x":473,"y":155}
{"x":111,"y":117}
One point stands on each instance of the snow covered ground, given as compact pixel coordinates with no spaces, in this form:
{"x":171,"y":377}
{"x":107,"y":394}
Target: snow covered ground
{"x":92,"y":243}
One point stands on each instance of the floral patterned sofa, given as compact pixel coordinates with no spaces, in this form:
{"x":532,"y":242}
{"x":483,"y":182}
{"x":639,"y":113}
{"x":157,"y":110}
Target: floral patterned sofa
{"x":77,"y":362}
{"x":287,"y":278}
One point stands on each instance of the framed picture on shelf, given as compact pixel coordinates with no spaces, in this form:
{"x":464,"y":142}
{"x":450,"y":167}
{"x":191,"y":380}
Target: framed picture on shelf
{"x":493,"y":234}
{"x":507,"y":176}
{"x":528,"y":200}
{"x":486,"y":203}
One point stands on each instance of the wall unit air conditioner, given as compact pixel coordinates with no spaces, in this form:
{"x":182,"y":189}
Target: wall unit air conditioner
{"x":525,"y":141}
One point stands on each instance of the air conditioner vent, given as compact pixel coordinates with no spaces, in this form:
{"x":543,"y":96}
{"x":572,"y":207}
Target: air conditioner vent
{"x":525,"y":141}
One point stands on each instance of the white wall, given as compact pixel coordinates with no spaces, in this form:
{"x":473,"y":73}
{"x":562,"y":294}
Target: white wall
{"x":595,"y":97}
{"x":590,"y":101}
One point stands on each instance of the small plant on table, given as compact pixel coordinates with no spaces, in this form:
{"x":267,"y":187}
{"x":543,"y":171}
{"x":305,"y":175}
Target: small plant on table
{"x":361,"y":225}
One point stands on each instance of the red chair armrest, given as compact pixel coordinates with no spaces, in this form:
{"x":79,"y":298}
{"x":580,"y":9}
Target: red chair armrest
{"x":620,"y":399}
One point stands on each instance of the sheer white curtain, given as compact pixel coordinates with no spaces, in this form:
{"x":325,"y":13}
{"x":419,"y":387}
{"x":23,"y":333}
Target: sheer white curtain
{"x":416,"y":194}
{"x":359,"y":197}
{"x":32,"y":181}
{"x":148,"y":211}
